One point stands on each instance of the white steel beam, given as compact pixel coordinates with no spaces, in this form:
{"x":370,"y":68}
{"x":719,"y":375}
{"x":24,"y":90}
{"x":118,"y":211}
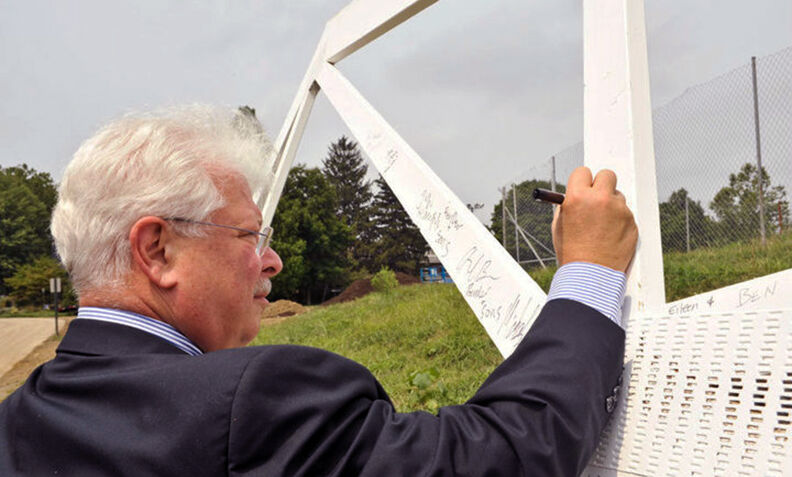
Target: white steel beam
{"x":617,"y":131}
{"x":363,"y":21}
{"x":504,"y":298}
{"x":288,"y":139}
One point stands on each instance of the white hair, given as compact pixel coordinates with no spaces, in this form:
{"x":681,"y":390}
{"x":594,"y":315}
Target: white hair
{"x":162,"y":163}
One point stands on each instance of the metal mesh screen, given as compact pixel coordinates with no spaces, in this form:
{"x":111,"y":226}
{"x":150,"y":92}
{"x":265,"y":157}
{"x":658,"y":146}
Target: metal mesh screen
{"x":709,"y":143}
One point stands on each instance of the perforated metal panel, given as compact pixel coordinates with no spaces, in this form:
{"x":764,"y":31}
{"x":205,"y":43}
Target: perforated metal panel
{"x":707,"y":394}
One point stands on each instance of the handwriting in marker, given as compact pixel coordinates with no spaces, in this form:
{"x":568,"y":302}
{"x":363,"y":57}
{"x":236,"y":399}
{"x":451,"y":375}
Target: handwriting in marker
{"x":392,"y":156}
{"x":752,"y":295}
{"x":475,"y":267}
{"x":452,"y":219}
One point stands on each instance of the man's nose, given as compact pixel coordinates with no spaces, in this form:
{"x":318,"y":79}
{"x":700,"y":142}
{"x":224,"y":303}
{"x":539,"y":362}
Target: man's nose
{"x":271,"y":263}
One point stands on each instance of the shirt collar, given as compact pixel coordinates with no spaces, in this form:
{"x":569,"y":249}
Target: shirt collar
{"x":140,"y":322}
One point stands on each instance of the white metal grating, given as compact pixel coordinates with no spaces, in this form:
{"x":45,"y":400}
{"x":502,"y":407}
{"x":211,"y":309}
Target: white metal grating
{"x":707,"y":394}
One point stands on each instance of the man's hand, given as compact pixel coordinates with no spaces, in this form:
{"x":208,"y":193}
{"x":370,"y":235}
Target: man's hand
{"x":594,"y":224}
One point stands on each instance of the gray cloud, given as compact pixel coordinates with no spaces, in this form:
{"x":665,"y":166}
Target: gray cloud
{"x":482,"y":90}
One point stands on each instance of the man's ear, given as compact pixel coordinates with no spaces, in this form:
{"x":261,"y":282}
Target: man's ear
{"x":151,"y":241}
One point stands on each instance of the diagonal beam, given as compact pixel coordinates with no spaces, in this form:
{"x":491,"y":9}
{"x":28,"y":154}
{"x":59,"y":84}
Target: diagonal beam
{"x":363,"y":21}
{"x":504,"y":298}
{"x":288,"y":139}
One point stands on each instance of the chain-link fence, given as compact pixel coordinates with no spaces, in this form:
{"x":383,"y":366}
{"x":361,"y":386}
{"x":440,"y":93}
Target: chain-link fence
{"x":710,"y":144}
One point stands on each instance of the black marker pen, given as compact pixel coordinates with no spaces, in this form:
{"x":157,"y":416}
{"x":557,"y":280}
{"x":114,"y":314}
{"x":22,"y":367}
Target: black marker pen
{"x":549,"y":196}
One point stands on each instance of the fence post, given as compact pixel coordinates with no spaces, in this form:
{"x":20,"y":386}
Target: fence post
{"x":687,"y":223}
{"x":516,"y":224}
{"x":780,"y":219}
{"x":503,"y":217}
{"x":553,"y":188}
{"x":758,"y":152}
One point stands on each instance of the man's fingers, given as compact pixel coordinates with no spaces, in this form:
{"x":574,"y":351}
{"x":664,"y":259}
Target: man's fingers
{"x":605,"y":179}
{"x":579,"y":179}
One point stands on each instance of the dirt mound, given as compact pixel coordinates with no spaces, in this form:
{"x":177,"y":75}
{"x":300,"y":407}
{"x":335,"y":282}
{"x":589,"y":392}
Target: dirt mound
{"x":363,"y":287}
{"x":355,"y":290}
{"x":405,"y":279}
{"x":281,"y":308}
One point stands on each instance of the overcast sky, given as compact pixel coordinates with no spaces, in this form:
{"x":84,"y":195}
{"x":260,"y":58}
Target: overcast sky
{"x":482,"y":90}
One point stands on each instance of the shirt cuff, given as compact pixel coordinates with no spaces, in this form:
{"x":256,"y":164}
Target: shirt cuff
{"x":597,"y":286}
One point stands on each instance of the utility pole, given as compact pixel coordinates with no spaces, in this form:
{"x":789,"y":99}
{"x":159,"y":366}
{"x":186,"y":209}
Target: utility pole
{"x":503,"y":216}
{"x":758,"y":153}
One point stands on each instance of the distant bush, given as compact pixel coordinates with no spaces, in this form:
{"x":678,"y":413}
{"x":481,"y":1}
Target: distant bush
{"x":384,"y":280}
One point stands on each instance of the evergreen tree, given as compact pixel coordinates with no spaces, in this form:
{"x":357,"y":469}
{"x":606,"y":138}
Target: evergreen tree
{"x":396,"y":241}
{"x":346,"y":170}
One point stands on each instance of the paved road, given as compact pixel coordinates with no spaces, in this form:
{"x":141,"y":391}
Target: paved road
{"x":18,"y":337}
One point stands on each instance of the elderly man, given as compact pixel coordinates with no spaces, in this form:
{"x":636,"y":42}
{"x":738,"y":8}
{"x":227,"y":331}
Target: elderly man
{"x":156,"y":226}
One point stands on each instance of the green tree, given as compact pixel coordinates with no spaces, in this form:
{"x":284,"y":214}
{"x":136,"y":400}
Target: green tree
{"x":40,"y":183}
{"x":346,"y":170}
{"x":534,"y":218}
{"x":673,"y":226}
{"x":396,"y":242}
{"x":310,"y":238}
{"x":737,"y":205}
{"x":26,"y":201}
{"x":30,"y":278}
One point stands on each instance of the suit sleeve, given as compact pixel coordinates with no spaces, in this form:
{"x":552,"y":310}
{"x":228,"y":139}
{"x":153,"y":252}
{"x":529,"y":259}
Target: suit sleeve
{"x":301,"y":411}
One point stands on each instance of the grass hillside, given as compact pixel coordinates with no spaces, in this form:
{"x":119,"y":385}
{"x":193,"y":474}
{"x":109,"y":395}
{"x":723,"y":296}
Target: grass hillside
{"x":421,"y":341}
{"x":706,"y":269}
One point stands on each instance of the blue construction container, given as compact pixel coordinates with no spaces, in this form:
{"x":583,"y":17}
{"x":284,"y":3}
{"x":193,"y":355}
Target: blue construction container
{"x":435,"y":274}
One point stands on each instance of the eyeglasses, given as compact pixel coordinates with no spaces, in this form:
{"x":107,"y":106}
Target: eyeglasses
{"x":264,"y":237}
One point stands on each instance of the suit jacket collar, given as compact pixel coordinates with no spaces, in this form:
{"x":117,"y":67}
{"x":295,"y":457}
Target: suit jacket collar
{"x":100,"y":338}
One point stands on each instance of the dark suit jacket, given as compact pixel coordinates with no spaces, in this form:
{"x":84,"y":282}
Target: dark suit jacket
{"x":118,"y":401}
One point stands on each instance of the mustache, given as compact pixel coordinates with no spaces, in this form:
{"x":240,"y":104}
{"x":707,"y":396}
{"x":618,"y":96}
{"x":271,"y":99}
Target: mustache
{"x":263,"y":287}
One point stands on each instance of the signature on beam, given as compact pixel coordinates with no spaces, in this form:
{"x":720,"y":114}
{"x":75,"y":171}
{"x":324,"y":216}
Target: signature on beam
{"x":752,"y":295}
{"x":392,"y":156}
{"x":475,"y":267}
{"x":426,"y":211}
{"x":513,"y":327}
{"x":452,"y":219}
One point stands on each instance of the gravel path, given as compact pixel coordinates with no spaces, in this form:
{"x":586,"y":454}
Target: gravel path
{"x":19,"y":336}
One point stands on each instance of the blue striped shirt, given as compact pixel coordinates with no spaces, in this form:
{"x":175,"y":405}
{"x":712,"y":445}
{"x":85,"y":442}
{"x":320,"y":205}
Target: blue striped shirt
{"x":142,"y":323}
{"x":599,"y":287}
